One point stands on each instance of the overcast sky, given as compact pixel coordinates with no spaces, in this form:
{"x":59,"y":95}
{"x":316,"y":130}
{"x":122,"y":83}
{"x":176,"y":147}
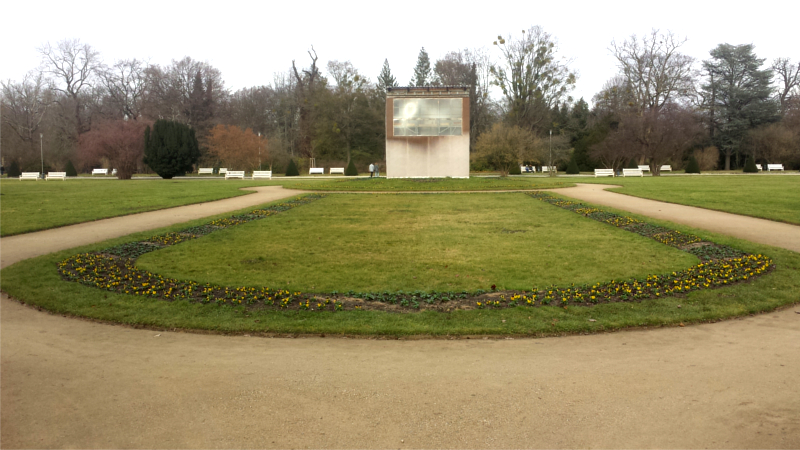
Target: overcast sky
{"x":250,"y":41}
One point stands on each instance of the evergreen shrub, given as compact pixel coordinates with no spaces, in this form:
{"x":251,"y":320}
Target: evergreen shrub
{"x":514,"y":170}
{"x":171,"y":148}
{"x":572,"y":167}
{"x":292,"y":171}
{"x":351,"y":170}
{"x":70,"y":169}
{"x":693,"y":166}
{"x":632,"y":164}
{"x":750,"y":166}
{"x":13,"y":170}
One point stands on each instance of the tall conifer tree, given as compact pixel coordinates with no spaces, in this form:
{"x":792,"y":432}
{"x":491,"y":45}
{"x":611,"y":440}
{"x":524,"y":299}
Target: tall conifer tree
{"x":386,"y":79}
{"x":422,"y":72}
{"x":740,"y":96}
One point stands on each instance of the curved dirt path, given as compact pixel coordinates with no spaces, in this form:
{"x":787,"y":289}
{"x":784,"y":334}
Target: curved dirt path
{"x":777,"y":234}
{"x":24,"y":246}
{"x":74,"y":383}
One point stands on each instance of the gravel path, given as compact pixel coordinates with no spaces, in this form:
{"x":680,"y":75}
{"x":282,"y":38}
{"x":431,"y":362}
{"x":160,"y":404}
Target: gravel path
{"x":74,"y":383}
{"x":777,"y":234}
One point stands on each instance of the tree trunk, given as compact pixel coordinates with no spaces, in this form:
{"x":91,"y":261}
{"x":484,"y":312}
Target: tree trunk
{"x":78,"y":123}
{"x":727,"y":160}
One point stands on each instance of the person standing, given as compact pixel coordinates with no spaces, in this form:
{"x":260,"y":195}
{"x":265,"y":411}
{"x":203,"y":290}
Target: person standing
{"x":377,"y":170}
{"x":371,"y":169}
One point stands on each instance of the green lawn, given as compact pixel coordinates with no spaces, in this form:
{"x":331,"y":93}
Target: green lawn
{"x":27,"y":206}
{"x":36,"y":282}
{"x":416,"y":242}
{"x":432,"y":184}
{"x":774,"y":197}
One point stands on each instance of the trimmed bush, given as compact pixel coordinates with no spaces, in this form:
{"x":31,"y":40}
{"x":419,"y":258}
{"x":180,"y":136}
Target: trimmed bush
{"x":514,"y":170}
{"x":13,"y":169}
{"x":292,"y":171}
{"x":171,"y":148}
{"x":351,"y":170}
{"x":750,"y":166}
{"x":572,"y":167}
{"x":632,"y":164}
{"x":693,"y":166}
{"x":70,"y":169}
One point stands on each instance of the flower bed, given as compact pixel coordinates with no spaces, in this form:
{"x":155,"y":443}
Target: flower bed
{"x":114,"y":269}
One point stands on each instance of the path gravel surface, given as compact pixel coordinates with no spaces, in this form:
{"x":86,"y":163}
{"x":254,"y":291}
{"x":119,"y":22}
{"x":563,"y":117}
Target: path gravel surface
{"x":74,"y":383}
{"x":753,"y":229}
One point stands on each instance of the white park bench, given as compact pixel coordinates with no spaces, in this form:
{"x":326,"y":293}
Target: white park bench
{"x":549,"y":168}
{"x":337,"y":170}
{"x":644,"y":168}
{"x":758,"y":166}
{"x":113,"y":172}
{"x":319,"y":170}
{"x":29,"y":176}
{"x":527,"y":169}
{"x":603,"y":173}
{"x":99,"y":172}
{"x":666,"y":168}
{"x":262,"y":174}
{"x":56,"y":175}
{"x":205,"y":171}
{"x":632,"y":173}
{"x":771,"y":167}
{"x":234,"y":174}
{"x":222,"y":170}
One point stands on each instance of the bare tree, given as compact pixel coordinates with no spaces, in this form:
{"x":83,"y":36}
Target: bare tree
{"x":125,"y":84}
{"x":305,"y":85}
{"x":120,"y":141}
{"x":615,"y":98}
{"x":771,"y":142}
{"x":657,"y":136}
{"x":654,"y":69}
{"x":483,"y":110}
{"x":531,"y":77}
{"x":26,"y":104}
{"x":73,"y":64}
{"x":788,"y":78}
{"x":169,"y":89}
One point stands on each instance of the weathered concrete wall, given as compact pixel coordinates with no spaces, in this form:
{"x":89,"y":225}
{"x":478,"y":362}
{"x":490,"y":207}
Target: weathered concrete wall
{"x":428,"y":156}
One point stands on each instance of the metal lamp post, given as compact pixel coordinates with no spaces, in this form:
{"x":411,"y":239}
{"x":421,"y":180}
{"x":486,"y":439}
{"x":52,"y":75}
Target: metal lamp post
{"x":550,"y":169}
{"x":41,"y":150}
{"x":259,"y":150}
